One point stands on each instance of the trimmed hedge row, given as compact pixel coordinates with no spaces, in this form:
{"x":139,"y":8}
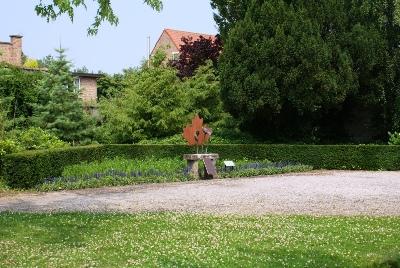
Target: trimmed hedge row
{"x":27,"y":169}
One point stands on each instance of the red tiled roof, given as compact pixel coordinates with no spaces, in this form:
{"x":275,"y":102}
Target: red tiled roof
{"x":176,"y":36}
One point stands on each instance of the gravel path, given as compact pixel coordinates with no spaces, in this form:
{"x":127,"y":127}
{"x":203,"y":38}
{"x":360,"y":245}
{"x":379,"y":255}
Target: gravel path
{"x":316,"y":193}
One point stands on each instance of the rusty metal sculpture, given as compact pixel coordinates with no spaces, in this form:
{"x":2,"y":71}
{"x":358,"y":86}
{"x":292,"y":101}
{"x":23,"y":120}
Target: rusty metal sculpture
{"x":195,"y":133}
{"x":198,"y":135}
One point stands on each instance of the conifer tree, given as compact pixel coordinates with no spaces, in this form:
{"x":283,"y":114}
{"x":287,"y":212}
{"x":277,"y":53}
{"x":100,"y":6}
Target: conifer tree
{"x":59,"y":109}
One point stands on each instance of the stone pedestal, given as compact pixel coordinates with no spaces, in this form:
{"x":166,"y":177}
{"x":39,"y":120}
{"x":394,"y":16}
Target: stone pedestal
{"x":193,"y":164}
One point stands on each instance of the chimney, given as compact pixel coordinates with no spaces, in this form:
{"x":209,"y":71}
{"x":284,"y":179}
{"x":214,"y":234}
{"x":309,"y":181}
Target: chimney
{"x":16,"y":50}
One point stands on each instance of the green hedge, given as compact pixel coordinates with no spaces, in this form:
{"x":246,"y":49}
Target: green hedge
{"x":24,"y":170}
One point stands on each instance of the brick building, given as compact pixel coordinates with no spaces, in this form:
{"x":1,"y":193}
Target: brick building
{"x":171,"y":40}
{"x":11,"y":52}
{"x":87,"y":86}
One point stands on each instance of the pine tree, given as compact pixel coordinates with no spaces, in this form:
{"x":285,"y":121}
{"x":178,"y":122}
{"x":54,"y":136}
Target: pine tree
{"x":59,"y":109}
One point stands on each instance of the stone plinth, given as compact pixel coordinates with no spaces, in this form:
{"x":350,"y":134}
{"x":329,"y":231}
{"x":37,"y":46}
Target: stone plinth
{"x":193,"y":164}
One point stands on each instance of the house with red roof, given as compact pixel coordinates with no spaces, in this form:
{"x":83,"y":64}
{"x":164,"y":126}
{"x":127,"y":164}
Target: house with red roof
{"x":171,"y":40}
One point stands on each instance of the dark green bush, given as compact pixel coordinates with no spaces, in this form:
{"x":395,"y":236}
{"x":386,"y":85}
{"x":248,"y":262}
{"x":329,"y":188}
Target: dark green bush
{"x":27,"y":169}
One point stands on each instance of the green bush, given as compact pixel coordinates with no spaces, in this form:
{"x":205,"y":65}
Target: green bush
{"x":31,"y":139}
{"x":394,"y":138}
{"x":27,"y":169}
{"x":9,"y":146}
{"x":36,"y":138}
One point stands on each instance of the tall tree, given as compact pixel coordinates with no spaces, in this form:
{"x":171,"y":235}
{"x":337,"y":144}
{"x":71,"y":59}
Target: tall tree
{"x":59,"y":109}
{"x":52,"y":9}
{"x":295,"y":64}
{"x":228,"y":12}
{"x":276,"y":58}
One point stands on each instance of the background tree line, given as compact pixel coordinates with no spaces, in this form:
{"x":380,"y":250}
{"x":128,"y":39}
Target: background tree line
{"x":282,"y":70}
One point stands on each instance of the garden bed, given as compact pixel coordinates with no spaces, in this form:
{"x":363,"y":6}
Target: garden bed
{"x":120,"y":171}
{"x":27,"y":169}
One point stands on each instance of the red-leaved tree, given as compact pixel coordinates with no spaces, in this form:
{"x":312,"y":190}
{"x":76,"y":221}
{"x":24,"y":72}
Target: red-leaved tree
{"x":194,"y":53}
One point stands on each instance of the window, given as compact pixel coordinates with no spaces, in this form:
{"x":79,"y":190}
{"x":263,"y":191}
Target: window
{"x":175,"y":55}
{"x":77,"y":83}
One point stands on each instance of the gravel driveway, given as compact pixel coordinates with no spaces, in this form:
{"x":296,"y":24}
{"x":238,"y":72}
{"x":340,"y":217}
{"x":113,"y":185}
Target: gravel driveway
{"x":316,"y":193}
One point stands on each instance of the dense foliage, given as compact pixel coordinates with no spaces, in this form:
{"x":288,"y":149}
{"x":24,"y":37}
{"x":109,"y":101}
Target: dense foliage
{"x":30,"y":139}
{"x":18,"y":94}
{"x":109,"y":86}
{"x":394,"y":138}
{"x":307,"y":70}
{"x":24,"y":170}
{"x":228,"y":12}
{"x":3,"y":118}
{"x":155,"y":103}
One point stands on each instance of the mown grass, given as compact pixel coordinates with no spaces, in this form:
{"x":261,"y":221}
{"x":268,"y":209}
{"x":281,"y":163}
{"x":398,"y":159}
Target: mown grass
{"x":186,"y":240}
{"x":120,"y":171}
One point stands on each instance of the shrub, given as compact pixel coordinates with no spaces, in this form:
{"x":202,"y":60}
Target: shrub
{"x":31,"y":139}
{"x":9,"y":146}
{"x":394,"y":139}
{"x":30,"y":168}
{"x":36,"y":139}
{"x":31,"y":63}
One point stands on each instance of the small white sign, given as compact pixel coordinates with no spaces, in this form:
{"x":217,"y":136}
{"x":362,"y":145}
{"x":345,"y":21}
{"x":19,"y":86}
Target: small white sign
{"x":229,"y":163}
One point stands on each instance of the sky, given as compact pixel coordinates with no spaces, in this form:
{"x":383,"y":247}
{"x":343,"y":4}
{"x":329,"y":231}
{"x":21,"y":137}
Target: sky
{"x":114,"y":48}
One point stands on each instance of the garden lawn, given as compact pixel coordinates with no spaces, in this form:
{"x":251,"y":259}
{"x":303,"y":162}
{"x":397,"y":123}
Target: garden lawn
{"x":187,"y":240}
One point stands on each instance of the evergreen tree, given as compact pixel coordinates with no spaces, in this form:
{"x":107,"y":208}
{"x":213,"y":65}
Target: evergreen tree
{"x":307,"y":69}
{"x":59,"y":109}
{"x":228,"y":12}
